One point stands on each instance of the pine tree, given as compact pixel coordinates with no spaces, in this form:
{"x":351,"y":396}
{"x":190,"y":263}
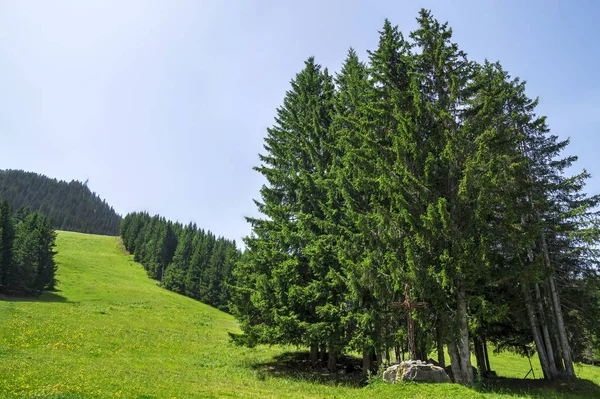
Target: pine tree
{"x":174,"y":278}
{"x":46,"y":270}
{"x":428,"y":170}
{"x":7,"y":237}
{"x":281,"y":269}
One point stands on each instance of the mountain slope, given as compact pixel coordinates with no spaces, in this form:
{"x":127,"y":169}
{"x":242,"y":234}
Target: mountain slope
{"x":110,"y":332}
{"x":72,"y":205}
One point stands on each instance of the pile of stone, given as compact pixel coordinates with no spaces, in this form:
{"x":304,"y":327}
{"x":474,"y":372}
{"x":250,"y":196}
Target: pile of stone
{"x":415,"y":370}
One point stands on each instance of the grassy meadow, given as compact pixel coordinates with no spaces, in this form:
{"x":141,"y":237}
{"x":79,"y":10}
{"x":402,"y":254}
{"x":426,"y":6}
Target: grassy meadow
{"x":109,"y":332}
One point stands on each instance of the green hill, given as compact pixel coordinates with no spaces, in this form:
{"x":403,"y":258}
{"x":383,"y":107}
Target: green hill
{"x":110,"y":332}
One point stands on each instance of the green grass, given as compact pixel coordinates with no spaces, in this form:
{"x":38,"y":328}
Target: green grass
{"x":109,"y":331}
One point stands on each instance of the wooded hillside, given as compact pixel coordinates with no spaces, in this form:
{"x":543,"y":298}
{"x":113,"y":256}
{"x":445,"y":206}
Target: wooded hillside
{"x":185,"y":259}
{"x":71,"y":205}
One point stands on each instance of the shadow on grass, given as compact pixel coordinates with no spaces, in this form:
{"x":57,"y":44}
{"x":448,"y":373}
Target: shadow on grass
{"x":539,"y":388}
{"x":297,"y":366}
{"x":46,"y":296}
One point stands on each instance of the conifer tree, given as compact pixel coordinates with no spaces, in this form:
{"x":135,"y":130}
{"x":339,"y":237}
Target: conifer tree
{"x":354,"y":210}
{"x":28,"y":263}
{"x":283,"y":270}
{"x":428,"y":170}
{"x":174,"y":278}
{"x":7,"y":237}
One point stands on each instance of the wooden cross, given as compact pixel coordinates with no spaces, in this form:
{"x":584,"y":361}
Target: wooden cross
{"x":409,"y":305}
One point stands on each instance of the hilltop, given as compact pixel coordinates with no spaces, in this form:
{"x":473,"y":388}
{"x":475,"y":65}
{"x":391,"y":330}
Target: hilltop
{"x":110,"y":331}
{"x":72,"y":205}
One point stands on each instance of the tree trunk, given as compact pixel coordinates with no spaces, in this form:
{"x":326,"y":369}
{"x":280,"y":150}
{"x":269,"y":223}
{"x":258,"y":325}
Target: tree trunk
{"x":560,"y":325}
{"x":440,"y":346}
{"x":480,"y":356}
{"x":454,"y":361}
{"x":463,"y":342}
{"x":386,"y":356}
{"x":397,"y":353}
{"x":332,"y":360}
{"x":558,"y":360}
{"x":487,"y":356}
{"x":541,"y":350}
{"x":366,"y":361}
{"x":314,"y":353}
{"x":422,"y":350}
{"x":323,"y":354}
{"x":545,"y":333}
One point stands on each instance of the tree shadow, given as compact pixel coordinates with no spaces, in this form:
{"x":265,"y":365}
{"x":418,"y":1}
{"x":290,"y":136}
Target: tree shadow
{"x":46,"y":296}
{"x":539,"y":388}
{"x":297,"y":366}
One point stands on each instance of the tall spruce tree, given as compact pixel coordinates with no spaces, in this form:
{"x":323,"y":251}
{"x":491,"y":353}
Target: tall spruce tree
{"x":284,"y":274}
{"x":563,"y":227}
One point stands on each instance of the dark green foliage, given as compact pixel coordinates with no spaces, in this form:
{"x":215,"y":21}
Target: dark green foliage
{"x":184,"y":259}
{"x":7,"y":237}
{"x":291,"y":262}
{"x":420,"y":168}
{"x":27,"y":243}
{"x":72,"y":206}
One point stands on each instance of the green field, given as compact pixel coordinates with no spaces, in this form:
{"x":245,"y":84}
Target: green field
{"x":109,"y":331}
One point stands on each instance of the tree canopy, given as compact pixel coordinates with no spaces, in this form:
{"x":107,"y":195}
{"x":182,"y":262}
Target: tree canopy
{"x":423,"y":168}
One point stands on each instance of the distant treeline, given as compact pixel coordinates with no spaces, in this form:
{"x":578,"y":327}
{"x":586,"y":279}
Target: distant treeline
{"x":27,"y":264}
{"x":71,"y":206}
{"x":185,"y":259}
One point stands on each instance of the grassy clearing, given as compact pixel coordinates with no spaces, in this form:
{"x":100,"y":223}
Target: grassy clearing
{"x":111,"y":332}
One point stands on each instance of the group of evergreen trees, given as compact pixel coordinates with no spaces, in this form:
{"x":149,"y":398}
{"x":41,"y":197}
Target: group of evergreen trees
{"x":185,"y":259}
{"x":72,"y":206}
{"x":419,"y":168}
{"x":27,"y":264}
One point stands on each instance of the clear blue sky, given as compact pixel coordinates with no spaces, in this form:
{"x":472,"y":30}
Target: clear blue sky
{"x":163,"y":105}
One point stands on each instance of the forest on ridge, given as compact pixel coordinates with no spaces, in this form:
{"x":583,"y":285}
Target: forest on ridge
{"x":424,"y":169}
{"x":71,"y":205}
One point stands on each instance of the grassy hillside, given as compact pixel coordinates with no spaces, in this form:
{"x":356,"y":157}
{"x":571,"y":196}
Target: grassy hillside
{"x":112,"y":332}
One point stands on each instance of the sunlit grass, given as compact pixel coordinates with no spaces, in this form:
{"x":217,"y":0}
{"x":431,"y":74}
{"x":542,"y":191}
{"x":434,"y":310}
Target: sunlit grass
{"x":111,"y":332}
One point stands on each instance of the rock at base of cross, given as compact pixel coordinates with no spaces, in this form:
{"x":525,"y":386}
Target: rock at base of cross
{"x":415,"y":370}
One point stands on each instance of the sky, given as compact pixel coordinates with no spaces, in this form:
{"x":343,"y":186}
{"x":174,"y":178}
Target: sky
{"x":164,"y":105}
